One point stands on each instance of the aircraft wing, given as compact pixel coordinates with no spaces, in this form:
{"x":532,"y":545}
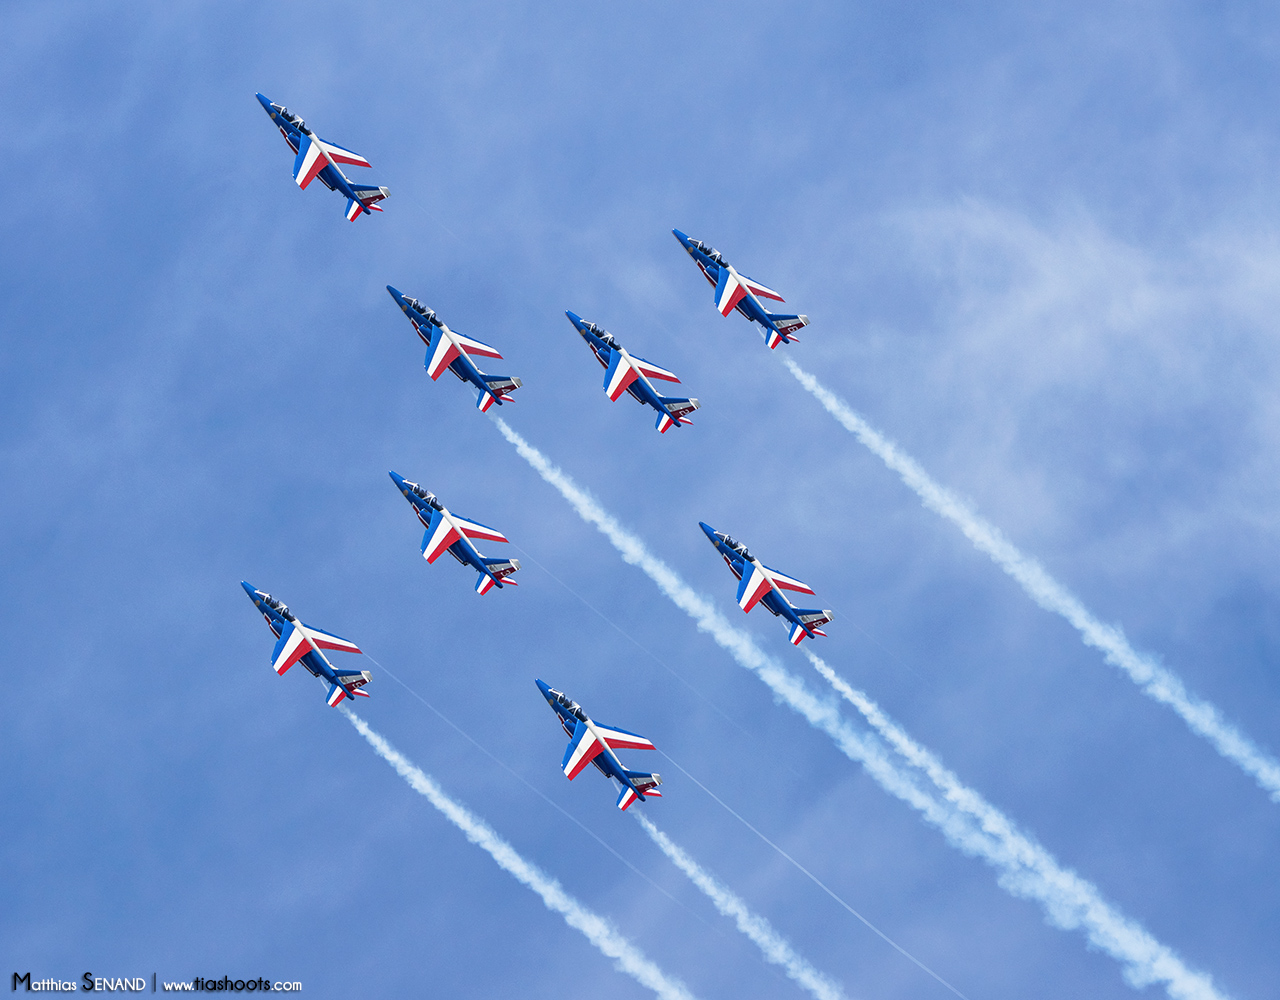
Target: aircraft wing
{"x":787,"y":582}
{"x":441,"y":353}
{"x":653,"y":371}
{"x":618,"y":376}
{"x":472,"y":346}
{"x":296,"y":641}
{"x":310,"y":161}
{"x":732,"y":288}
{"x":439,"y":536}
{"x":754,"y":585}
{"x":472,"y":529}
{"x":340,"y":155}
{"x":583,"y":748}
{"x":761,"y":290}
{"x":620,"y":739}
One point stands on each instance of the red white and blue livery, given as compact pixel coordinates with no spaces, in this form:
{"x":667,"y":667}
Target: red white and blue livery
{"x":314,"y":158}
{"x":594,"y":743}
{"x":447,"y":532}
{"x":759,"y":584}
{"x":299,"y":643}
{"x":626,"y":373}
{"x":448,"y":350}
{"x":736,"y":291}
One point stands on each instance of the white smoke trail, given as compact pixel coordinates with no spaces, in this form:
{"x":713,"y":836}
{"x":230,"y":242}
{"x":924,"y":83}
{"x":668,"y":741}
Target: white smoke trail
{"x":627,"y":957}
{"x":1026,"y":868}
{"x":1156,"y":681}
{"x":772,"y":945}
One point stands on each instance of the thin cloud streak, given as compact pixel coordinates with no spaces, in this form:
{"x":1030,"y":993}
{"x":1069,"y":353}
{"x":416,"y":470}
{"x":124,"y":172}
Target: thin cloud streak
{"x":627,"y":957}
{"x":1027,"y":869}
{"x":1156,"y":681}
{"x":772,"y":945}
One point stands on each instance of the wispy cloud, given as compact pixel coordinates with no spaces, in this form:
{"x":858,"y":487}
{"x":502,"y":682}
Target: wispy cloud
{"x":603,"y":935}
{"x":1027,"y":869}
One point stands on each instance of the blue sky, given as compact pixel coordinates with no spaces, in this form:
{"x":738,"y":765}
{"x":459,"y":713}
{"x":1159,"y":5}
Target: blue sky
{"x":1039,"y":249}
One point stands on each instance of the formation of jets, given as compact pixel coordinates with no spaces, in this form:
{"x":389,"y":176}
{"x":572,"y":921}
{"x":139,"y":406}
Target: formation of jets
{"x":450,"y":533}
{"x":589,"y":741}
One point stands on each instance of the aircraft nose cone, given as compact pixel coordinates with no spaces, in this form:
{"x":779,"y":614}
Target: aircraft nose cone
{"x":265,"y":102}
{"x":545,"y":688}
{"x":709,"y":531}
{"x":397,"y":479}
{"x":249,"y":589}
{"x":394,"y":292}
{"x":680,"y":236}
{"x":575,"y":319}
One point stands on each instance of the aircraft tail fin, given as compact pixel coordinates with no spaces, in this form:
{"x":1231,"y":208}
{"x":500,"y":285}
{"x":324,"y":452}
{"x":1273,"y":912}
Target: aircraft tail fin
{"x":501,"y":568}
{"x":784,"y":328}
{"x":500,"y":386}
{"x":813,"y":621}
{"x":646,"y":785}
{"x":677,"y":407}
{"x":353,"y":681}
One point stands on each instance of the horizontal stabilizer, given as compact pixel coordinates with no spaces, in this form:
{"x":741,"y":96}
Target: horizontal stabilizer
{"x":626,"y":797}
{"x":336,"y":694}
{"x":788,"y":324}
{"x":813,"y":620}
{"x":354,"y":680}
{"x":500,"y":568}
{"x":500,"y":388}
{"x":646,"y":783}
{"x":370,"y":196}
{"x":676,"y":408}
{"x":355,"y":209}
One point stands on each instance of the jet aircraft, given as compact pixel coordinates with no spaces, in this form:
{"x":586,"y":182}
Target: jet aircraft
{"x":447,"y":532}
{"x":625,"y":373}
{"x":317,"y":158}
{"x":302,"y":643}
{"x":735,"y":291}
{"x":593,"y":743}
{"x":760,"y":584}
{"x":449,"y":350}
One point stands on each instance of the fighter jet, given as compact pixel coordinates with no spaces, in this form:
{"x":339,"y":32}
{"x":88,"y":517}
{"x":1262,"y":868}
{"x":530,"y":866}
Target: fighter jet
{"x":447,"y":532}
{"x":447,"y":349}
{"x":591,"y":742}
{"x":625,"y":373}
{"x":734,"y":291}
{"x":302,"y":643}
{"x":317,"y":158}
{"x":760,"y":584}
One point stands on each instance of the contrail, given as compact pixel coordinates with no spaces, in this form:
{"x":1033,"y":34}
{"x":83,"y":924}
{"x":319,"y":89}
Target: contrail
{"x":1159,"y":683}
{"x":627,"y":957}
{"x":1026,"y":868}
{"x":772,"y":945}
